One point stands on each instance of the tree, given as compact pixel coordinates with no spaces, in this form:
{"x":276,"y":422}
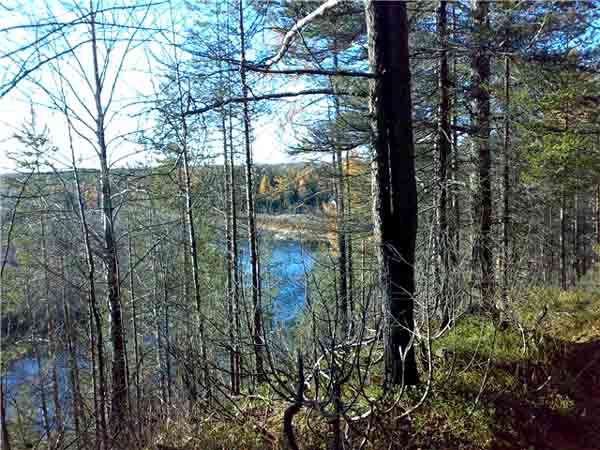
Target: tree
{"x":481,"y":115}
{"x":394,"y":183}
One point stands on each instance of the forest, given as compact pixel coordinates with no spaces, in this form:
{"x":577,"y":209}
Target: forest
{"x":285,"y":224}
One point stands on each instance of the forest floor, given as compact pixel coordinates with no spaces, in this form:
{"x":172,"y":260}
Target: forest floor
{"x":533,"y":386}
{"x":563,"y":411}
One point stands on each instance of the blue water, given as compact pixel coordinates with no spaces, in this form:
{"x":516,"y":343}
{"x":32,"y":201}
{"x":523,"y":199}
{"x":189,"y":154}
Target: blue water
{"x":24,"y":377}
{"x":283,"y":268}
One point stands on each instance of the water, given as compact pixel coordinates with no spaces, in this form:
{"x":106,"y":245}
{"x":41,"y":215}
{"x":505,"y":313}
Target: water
{"x":283,"y":273}
{"x":283,"y":268}
{"x":25,"y":382}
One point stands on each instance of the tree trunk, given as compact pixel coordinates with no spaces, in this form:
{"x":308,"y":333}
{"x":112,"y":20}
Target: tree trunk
{"x":563,"y":244}
{"x":97,"y":341}
{"x":118,"y":411}
{"x":394,"y":183}
{"x":194,"y":255}
{"x":455,"y":199}
{"x":74,"y":378}
{"x":506,"y":184}
{"x":5,"y":435}
{"x":481,"y":78}
{"x":577,"y":238}
{"x":231,"y":255}
{"x":138,"y":394}
{"x":235,"y":258}
{"x":340,"y":210}
{"x":254,"y":262}
{"x":597,"y":220}
{"x":52,"y":343}
{"x":167,"y":330}
{"x":443,"y":144}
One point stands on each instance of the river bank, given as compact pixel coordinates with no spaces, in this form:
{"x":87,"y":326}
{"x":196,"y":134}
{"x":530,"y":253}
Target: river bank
{"x":302,"y":227}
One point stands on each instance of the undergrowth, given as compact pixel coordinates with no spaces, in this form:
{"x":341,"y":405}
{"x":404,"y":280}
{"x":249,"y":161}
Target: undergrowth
{"x":485,"y":381}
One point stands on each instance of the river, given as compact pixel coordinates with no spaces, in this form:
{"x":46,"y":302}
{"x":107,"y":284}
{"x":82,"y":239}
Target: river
{"x":283,"y":267}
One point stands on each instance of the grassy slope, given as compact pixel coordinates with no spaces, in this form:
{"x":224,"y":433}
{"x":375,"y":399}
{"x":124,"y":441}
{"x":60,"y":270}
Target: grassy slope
{"x":541,"y":389}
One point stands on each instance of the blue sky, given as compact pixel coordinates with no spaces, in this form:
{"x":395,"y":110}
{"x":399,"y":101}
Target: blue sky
{"x":273,"y":134}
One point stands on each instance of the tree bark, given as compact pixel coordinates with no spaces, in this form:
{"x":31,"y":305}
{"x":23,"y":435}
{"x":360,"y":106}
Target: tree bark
{"x":563,"y":244}
{"x":118,"y":410}
{"x":5,"y":434}
{"x":52,"y":342}
{"x":136,"y":350}
{"x":74,"y":378}
{"x":443,"y":144}
{"x":231,"y":256}
{"x":481,"y":78}
{"x":97,"y":341}
{"x":340,"y":211}
{"x":252,"y":242}
{"x":506,"y":184}
{"x":455,"y":199}
{"x":193,"y":246}
{"x":235,"y":258}
{"x":394,"y":183}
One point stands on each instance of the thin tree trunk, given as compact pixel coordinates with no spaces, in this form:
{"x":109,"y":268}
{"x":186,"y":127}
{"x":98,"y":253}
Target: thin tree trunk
{"x":138,"y":394}
{"x":254,"y":262}
{"x":235,"y":257}
{"x":394,"y":183}
{"x":443,"y":144}
{"x":578,"y":231}
{"x":598,"y":216}
{"x":563,"y":244}
{"x":506,"y":185}
{"x":195,"y":264}
{"x":455,"y":199}
{"x":97,"y":339}
{"x":340,"y":210}
{"x":232,"y":281}
{"x":349,"y":259}
{"x":166,"y":319}
{"x":157,"y":321}
{"x":73,"y":363}
{"x":118,"y":410}
{"x":5,"y":434}
{"x":52,"y":343}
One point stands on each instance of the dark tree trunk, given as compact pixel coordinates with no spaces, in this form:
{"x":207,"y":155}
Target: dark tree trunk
{"x":340,"y":212}
{"x":118,"y":411}
{"x":5,"y":435}
{"x":443,"y":144}
{"x":394,"y":183}
{"x":455,"y":199}
{"x":481,"y":78}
